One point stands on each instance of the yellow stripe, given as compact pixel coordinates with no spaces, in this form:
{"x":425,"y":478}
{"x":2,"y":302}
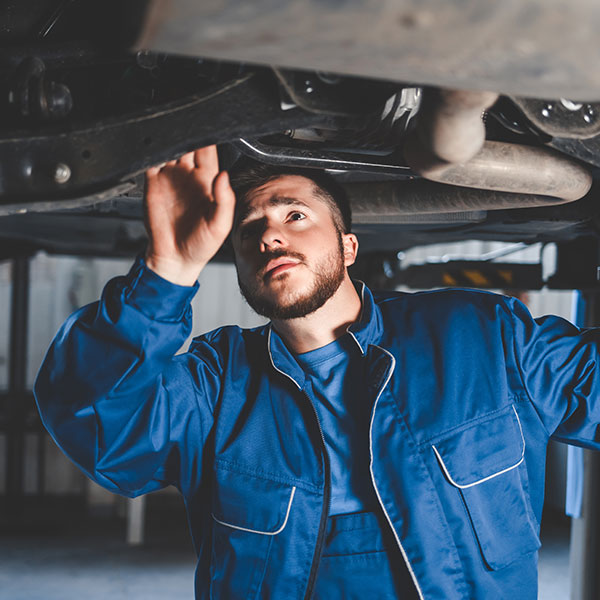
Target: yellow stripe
{"x":447,"y":279}
{"x":476,"y":277}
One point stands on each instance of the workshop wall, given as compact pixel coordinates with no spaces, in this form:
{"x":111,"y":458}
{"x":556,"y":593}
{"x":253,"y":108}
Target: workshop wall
{"x":58,"y":287}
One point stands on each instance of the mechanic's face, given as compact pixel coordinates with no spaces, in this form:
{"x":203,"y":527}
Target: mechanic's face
{"x":290,"y":256}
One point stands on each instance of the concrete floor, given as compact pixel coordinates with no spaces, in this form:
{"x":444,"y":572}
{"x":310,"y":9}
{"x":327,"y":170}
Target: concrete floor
{"x":78,"y":558}
{"x":72,"y":569}
{"x":74,"y":557}
{"x":554,"y":559}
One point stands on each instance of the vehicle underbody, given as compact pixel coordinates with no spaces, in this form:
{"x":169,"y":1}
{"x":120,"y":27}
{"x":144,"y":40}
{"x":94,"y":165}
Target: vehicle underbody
{"x":388,"y":98}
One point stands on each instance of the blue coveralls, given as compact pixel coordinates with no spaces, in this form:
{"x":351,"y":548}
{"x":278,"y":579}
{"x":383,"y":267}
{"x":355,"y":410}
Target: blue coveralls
{"x":361,"y":560}
{"x":466,"y":389}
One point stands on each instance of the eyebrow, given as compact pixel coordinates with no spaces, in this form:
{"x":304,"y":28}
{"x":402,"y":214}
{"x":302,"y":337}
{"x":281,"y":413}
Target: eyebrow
{"x":247,"y":211}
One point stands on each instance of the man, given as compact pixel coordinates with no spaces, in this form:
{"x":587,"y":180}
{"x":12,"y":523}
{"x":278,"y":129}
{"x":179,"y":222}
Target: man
{"x":387,"y":446}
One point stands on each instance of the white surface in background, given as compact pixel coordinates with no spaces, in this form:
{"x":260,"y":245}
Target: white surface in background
{"x":59,"y":286}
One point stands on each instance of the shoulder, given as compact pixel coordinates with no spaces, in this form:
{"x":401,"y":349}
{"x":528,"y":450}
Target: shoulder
{"x":226,"y":349}
{"x":229,"y":339}
{"x":447,"y":305}
{"x":452,"y":298}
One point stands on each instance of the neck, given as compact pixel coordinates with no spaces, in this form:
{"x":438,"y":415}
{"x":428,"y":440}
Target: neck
{"x":326,"y":324}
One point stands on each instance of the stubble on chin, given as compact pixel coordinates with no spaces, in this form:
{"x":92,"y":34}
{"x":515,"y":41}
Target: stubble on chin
{"x":327,"y":278}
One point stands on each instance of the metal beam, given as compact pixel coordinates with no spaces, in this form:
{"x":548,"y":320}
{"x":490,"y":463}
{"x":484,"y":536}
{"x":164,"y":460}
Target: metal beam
{"x":585,"y":531}
{"x":16,"y":384}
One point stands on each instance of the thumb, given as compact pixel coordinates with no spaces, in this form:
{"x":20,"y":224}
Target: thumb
{"x":224,"y":196}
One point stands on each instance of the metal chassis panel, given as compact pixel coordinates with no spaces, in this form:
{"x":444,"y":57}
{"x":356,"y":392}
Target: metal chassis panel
{"x":537,"y":48}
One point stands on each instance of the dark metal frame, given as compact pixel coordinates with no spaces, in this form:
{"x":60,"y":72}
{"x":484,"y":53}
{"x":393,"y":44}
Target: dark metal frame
{"x":111,"y":152}
{"x":16,"y":418}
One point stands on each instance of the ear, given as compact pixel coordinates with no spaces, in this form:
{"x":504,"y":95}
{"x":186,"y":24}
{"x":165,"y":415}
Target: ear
{"x":350,"y":243}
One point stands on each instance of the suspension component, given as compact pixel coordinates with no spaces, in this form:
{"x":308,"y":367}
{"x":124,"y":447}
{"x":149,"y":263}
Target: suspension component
{"x":34,"y":96}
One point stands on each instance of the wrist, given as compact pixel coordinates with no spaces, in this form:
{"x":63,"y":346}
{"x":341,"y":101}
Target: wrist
{"x":173,"y":270}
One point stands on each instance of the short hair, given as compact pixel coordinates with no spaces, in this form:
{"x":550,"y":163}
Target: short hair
{"x":247,"y":175}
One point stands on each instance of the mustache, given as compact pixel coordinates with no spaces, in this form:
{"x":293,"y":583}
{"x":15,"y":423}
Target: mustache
{"x":266,"y":258}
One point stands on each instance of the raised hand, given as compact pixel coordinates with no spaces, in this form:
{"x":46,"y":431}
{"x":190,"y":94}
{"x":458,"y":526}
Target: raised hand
{"x":189,"y":213}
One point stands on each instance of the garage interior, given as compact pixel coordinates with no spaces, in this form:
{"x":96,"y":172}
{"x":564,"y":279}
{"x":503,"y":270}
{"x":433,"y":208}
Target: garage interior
{"x":65,"y":537}
{"x":72,"y":177}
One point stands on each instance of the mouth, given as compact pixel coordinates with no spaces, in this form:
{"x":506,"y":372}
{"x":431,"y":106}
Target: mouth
{"x":279,"y":265}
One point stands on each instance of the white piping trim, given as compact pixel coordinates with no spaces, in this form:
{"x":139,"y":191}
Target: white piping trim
{"x":468,"y":485}
{"x":273,"y":363}
{"x":408,"y":565}
{"x":287,"y":514}
{"x":357,"y":343}
{"x":362,"y":303}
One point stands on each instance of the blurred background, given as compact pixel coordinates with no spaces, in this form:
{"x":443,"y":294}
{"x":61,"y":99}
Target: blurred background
{"x":62,"y":536}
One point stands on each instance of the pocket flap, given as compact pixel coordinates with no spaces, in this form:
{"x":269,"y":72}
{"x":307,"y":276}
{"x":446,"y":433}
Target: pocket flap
{"x":483,"y":451}
{"x":251,"y":504}
{"x":482,"y":463}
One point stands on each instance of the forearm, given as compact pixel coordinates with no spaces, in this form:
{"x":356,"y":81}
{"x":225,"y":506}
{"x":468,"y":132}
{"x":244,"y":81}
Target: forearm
{"x":103,"y":376}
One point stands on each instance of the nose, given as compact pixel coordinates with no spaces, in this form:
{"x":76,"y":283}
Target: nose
{"x":272,"y":237}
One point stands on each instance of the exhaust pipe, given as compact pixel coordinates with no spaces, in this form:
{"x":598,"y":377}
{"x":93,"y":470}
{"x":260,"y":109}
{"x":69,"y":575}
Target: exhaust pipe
{"x":448,"y":146}
{"x":449,"y":128}
{"x":397,"y":202}
{"x":466,"y":174}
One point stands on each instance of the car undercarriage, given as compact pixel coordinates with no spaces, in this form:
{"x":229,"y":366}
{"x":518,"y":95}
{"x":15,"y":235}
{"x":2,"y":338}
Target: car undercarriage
{"x":393,"y":100}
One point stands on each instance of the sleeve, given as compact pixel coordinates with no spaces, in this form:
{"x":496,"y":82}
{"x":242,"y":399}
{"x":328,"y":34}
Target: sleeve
{"x":114,"y":397}
{"x":559,"y":367}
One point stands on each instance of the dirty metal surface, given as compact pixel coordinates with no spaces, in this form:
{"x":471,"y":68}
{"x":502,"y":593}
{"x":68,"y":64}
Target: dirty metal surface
{"x":536,"y":48}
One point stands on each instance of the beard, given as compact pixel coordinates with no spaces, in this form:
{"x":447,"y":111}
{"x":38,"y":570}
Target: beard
{"x":328,"y":276}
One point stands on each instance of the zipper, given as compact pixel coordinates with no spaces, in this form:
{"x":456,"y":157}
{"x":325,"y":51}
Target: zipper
{"x":327,"y":491}
{"x":408,"y":565}
{"x":324,"y":511}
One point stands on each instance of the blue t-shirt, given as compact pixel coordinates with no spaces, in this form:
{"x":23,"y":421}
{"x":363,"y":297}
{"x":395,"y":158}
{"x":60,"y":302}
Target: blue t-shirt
{"x":336,"y":373}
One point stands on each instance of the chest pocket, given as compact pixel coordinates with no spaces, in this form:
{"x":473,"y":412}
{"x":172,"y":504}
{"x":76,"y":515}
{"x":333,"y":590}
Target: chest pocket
{"x":248,"y":513}
{"x":484,"y":463}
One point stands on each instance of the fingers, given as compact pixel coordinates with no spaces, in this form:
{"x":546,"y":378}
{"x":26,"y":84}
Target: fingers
{"x":207,"y":168}
{"x":204,"y":161}
{"x":187,"y":160}
{"x":153,"y":171}
{"x":156,"y":169}
{"x":207,"y":159}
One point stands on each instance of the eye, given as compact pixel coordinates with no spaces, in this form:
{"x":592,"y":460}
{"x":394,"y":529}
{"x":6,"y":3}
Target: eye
{"x":296,"y":216}
{"x":248,"y":230}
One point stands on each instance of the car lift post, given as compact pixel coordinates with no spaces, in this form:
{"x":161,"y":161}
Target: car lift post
{"x":16,"y":385}
{"x":585,"y":531}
